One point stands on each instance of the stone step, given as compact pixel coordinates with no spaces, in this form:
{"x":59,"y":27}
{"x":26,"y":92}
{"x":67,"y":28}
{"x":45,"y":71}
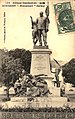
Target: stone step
{"x":36,"y":102}
{"x":39,"y":99}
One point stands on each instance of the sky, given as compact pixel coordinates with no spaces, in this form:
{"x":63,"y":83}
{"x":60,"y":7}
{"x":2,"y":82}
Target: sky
{"x":18,"y":30}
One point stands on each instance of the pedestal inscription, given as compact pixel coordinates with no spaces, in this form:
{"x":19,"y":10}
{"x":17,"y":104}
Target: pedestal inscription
{"x":40,"y":63}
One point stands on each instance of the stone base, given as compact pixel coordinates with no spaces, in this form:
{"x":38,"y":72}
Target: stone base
{"x":19,"y":99}
{"x":55,"y":91}
{"x":38,"y":101}
{"x":40,"y":63}
{"x":40,"y":47}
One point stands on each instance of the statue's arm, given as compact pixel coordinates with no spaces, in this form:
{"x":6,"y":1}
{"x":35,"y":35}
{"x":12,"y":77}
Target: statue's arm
{"x":37,"y":21}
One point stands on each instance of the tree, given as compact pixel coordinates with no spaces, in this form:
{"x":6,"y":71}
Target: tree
{"x":68,"y":72}
{"x":16,"y":53}
{"x":13,"y":62}
{"x":11,"y":68}
{"x":25,"y":57}
{"x":26,"y":60}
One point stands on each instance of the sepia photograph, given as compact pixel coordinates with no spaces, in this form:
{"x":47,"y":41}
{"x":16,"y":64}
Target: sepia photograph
{"x":37,"y":59}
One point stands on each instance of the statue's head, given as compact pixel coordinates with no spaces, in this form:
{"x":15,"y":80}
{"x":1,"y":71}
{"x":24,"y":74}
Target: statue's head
{"x":41,"y":14}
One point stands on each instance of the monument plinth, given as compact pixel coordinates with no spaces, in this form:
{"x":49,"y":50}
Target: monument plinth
{"x":40,"y":63}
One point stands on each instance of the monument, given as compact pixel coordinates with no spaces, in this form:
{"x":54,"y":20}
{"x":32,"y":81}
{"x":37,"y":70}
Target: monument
{"x":40,"y":63}
{"x":37,"y":87}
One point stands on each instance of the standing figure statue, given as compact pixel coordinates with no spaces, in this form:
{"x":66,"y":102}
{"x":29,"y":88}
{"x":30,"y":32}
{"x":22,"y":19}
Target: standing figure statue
{"x":40,"y":28}
{"x":56,"y":72}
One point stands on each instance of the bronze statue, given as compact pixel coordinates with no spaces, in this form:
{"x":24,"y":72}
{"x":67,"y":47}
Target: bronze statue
{"x":40,"y":28}
{"x":33,"y":86}
{"x":56,"y":72}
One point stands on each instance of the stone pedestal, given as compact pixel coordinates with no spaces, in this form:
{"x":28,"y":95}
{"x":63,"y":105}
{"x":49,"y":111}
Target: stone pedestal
{"x":40,"y":63}
{"x":36,"y":102}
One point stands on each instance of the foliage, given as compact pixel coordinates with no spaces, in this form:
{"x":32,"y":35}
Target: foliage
{"x":25,"y":57}
{"x":68,"y":72}
{"x":16,"y":53}
{"x":11,"y":68}
{"x":13,"y":62}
